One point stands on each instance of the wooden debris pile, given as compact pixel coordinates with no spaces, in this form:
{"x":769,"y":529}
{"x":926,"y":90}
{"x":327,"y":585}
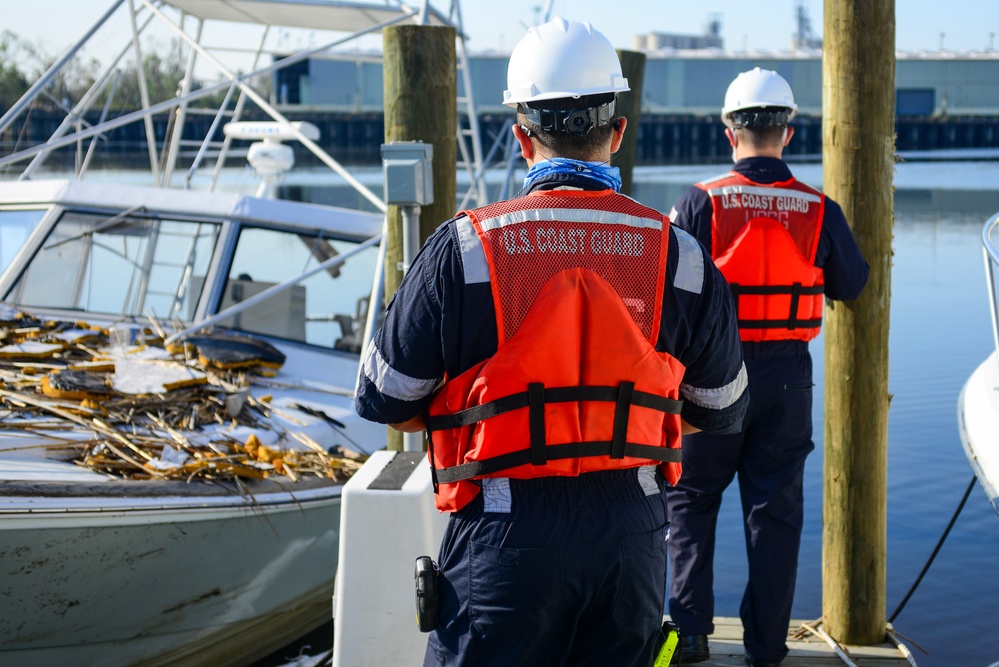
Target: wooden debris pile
{"x":118,"y":402}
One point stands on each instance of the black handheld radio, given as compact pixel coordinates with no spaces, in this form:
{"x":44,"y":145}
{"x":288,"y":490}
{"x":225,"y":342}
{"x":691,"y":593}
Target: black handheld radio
{"x":427,"y":600}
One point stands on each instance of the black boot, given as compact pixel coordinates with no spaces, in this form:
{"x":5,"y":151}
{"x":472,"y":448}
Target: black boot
{"x":693,"y":648}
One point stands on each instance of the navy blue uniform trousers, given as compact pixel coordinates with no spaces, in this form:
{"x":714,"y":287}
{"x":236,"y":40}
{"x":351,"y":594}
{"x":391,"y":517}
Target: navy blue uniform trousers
{"x":769,"y":458}
{"x":571,"y":572}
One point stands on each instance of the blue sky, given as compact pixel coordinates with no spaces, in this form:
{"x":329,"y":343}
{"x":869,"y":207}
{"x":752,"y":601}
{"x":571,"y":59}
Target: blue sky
{"x":960,"y":25}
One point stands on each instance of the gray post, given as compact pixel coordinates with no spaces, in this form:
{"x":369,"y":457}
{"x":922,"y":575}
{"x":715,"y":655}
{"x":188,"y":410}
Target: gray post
{"x":409,"y":184}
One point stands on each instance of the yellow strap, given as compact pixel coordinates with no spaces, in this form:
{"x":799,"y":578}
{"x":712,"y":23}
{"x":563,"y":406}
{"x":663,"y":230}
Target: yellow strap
{"x":666,"y":651}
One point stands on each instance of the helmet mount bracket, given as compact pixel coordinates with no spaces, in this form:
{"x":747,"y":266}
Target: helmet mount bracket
{"x":577,"y":122}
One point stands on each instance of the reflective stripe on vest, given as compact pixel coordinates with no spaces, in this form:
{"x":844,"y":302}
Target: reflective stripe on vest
{"x":576,"y":384}
{"x":764,"y":239}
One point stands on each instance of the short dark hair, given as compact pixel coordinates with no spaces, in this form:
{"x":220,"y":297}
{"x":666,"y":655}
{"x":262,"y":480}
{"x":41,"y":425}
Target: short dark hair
{"x":763,"y":137}
{"x":563,"y":144}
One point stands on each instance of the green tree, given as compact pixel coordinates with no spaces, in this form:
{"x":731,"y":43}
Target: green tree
{"x":13,"y":82}
{"x":22,"y":62}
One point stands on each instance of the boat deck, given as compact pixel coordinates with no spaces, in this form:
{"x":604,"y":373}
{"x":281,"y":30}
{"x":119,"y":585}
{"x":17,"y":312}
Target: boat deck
{"x":812,"y":651}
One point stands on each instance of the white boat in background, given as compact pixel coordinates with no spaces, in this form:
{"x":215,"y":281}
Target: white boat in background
{"x":978,"y":404}
{"x":177,"y":369}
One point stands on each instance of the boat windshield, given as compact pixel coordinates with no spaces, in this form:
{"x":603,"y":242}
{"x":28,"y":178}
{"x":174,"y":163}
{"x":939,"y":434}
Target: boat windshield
{"x":328,"y":308}
{"x":131,"y":266}
{"x":121,"y":265}
{"x":15,"y":226}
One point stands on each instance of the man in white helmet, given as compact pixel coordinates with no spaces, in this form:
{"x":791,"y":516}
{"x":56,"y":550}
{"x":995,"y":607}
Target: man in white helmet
{"x":784,"y":247}
{"x":554,"y":347}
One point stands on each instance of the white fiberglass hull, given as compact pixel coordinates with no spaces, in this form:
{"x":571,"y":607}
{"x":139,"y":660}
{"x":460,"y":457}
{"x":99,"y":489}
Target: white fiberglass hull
{"x":978,"y":422}
{"x":205,"y":578}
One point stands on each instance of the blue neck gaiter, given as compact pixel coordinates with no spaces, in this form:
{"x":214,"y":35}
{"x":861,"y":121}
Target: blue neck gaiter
{"x":598,"y":171}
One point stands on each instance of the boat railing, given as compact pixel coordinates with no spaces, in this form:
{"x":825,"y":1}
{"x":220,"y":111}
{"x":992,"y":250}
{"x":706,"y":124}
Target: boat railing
{"x":990,"y":240}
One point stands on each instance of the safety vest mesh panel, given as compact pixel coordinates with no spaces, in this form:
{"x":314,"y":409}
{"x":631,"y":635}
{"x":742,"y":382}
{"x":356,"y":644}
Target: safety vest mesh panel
{"x":536,"y":243}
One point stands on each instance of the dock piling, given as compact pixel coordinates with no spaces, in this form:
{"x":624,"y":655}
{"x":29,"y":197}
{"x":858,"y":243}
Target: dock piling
{"x":858,"y":107}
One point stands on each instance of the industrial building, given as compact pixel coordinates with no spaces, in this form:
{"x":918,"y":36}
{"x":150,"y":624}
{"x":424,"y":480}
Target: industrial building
{"x":677,"y":81}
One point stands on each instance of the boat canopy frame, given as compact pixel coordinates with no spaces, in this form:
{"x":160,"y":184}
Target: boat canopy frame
{"x":364,"y":18}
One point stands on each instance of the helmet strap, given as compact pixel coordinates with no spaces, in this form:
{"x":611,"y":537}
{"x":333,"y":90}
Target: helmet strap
{"x":576,"y":122}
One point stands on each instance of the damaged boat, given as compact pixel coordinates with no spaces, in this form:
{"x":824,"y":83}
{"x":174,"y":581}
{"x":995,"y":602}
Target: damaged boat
{"x":175,"y":499}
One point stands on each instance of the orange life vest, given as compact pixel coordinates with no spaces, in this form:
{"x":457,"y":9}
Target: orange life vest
{"x":576,"y":384}
{"x":763,"y":239}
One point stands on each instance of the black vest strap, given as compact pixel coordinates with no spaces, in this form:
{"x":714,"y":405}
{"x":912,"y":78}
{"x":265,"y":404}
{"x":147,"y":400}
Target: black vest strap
{"x":792,"y":322}
{"x":499,"y":406}
{"x":768,"y":290}
{"x":795,"y":298}
{"x":621,"y":410}
{"x":780,"y":324}
{"x":536,"y":419}
{"x":572,"y":450}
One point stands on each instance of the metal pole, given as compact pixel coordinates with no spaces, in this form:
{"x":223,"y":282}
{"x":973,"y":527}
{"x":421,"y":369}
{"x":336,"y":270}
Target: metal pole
{"x":93,"y":141}
{"x":178,"y":128}
{"x":204,"y":144}
{"x":377,"y":297}
{"x":411,"y":442}
{"x":140,"y":70}
{"x":410,"y":235}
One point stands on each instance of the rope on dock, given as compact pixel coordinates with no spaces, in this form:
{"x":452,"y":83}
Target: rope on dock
{"x":903,"y":649}
{"x":839,"y":650}
{"x":815,"y":628}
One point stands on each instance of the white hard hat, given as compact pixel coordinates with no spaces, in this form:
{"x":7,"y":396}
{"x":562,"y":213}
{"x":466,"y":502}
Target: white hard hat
{"x":562,"y":59}
{"x":758,"y":88}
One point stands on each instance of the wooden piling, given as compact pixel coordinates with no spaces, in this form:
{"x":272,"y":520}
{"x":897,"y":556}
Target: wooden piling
{"x":421,"y":93}
{"x":630,"y":106}
{"x":858,"y":105}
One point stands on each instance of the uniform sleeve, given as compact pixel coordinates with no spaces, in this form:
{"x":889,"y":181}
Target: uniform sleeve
{"x":699,"y":329}
{"x":404,"y":363}
{"x":844,"y":269}
{"x":692,"y":213}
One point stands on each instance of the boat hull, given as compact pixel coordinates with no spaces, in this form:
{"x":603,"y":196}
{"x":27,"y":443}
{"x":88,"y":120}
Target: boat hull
{"x":978,"y":423}
{"x":215,"y":579}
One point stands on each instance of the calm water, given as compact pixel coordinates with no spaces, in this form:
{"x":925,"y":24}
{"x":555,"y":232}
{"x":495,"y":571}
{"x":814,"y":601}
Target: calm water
{"x":940,"y":331}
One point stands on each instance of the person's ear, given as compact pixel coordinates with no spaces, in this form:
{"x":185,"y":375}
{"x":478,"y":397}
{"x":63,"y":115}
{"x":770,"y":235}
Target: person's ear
{"x":618,"y":135}
{"x":733,"y":138}
{"x":788,"y":133}
{"x":523,"y":137}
